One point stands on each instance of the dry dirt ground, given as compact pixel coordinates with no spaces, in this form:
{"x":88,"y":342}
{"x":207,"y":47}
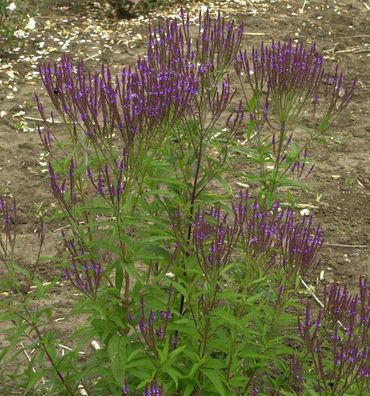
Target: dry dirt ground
{"x":339,"y":193}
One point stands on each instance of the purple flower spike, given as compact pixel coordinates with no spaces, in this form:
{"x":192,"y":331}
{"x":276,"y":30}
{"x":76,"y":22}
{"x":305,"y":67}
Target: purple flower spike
{"x":213,"y":239}
{"x":254,"y":391}
{"x":258,"y":226}
{"x":85,"y":274}
{"x":110,"y":183}
{"x":153,"y":326}
{"x":8,"y":220}
{"x":153,"y":389}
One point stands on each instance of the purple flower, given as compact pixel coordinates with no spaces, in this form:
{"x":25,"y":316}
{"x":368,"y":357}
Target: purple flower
{"x":153,"y":389}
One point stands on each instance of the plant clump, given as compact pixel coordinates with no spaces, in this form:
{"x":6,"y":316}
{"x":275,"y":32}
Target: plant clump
{"x":188,"y":286}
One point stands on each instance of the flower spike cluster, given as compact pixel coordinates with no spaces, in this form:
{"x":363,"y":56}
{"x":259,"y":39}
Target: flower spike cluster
{"x":340,"y":332}
{"x":153,"y":326}
{"x":274,"y":236}
{"x":110,"y":183}
{"x":208,"y":56}
{"x":84,"y":273}
{"x":299,"y":243}
{"x":214,"y":49}
{"x":293,"y":77}
{"x":288,"y":242}
{"x":135,"y":102}
{"x":258,"y":226}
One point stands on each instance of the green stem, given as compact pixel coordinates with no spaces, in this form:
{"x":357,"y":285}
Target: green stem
{"x":278,"y":157}
{"x":191,"y":210}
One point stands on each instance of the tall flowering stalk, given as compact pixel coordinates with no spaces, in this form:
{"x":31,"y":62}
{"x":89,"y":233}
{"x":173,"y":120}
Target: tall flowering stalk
{"x":279,"y":82}
{"x":134,"y":110}
{"x":213,"y":239}
{"x":340,"y":349}
{"x":208,"y":55}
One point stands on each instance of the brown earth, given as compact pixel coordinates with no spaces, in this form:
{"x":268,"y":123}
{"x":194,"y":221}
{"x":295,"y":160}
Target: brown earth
{"x":339,"y":195}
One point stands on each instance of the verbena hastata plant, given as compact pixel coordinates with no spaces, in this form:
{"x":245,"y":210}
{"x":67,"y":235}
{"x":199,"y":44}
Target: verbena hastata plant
{"x":188,"y":288}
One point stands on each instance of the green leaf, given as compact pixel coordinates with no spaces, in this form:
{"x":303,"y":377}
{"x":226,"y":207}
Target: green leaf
{"x":215,"y":364}
{"x":118,"y":357}
{"x":250,"y":129}
{"x":252,"y":103}
{"x":142,"y":363}
{"x":195,"y":369}
{"x":163,"y":354}
{"x":134,"y":354}
{"x":174,"y":374}
{"x":13,"y":341}
{"x":227,"y":318}
{"x":176,"y":352}
{"x":7,"y":316}
{"x":180,"y":289}
{"x":34,"y":378}
{"x":215,"y":377}
{"x":184,"y":326}
{"x":189,"y":389}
